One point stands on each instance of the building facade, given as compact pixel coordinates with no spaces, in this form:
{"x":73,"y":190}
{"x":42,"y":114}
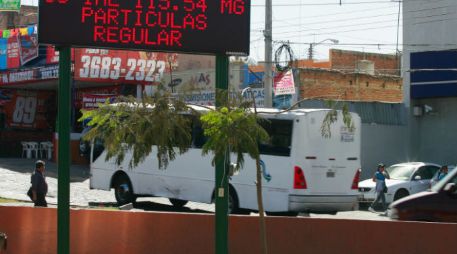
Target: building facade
{"x":430,"y":78}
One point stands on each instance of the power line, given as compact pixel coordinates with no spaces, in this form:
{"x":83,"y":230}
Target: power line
{"x":339,"y":26}
{"x":339,"y":20}
{"x":319,"y":4}
{"x":327,"y":15}
{"x":373,"y":44}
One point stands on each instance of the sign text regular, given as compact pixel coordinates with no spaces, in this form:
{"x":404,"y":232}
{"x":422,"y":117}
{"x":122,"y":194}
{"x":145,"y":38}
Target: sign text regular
{"x":188,"y":26}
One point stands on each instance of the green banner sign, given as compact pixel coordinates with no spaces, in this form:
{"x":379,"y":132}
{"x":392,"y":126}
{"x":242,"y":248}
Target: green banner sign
{"x":10,"y":5}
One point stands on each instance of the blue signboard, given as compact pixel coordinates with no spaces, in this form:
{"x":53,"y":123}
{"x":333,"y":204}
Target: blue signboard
{"x":3,"y":54}
{"x":433,"y":74}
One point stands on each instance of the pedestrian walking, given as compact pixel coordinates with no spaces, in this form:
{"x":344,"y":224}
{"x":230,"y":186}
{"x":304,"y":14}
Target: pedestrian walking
{"x":39,"y":186}
{"x":381,"y":187}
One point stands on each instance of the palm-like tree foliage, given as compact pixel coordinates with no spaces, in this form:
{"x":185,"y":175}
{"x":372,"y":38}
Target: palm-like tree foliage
{"x":137,"y":126}
{"x":237,"y":130}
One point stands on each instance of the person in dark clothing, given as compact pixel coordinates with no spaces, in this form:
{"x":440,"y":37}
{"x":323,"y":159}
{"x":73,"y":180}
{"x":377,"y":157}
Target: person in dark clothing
{"x":39,"y":185}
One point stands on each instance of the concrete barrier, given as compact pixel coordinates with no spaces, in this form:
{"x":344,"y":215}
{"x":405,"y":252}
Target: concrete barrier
{"x":34,"y":230}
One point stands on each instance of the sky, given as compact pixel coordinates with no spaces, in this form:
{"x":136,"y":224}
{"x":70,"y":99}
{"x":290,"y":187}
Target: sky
{"x":360,"y":25}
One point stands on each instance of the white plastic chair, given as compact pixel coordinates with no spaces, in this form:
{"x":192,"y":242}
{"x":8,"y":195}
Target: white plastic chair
{"x":43,"y":149}
{"x":47,"y":149}
{"x":26,"y":150}
{"x":34,"y":148}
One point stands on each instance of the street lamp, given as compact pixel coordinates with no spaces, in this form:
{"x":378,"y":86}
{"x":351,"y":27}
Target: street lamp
{"x":310,"y":50}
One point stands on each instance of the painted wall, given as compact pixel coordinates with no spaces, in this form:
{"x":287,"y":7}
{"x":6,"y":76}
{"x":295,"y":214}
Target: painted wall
{"x":382,"y":143}
{"x":33,"y":230}
{"x":436,"y":139}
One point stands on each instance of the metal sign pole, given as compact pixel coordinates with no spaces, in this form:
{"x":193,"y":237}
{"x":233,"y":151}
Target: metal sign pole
{"x":221,"y":184}
{"x":63,"y":172}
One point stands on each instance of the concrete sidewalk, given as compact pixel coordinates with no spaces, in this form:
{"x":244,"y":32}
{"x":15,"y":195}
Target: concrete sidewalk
{"x":78,"y":173}
{"x":15,"y":181}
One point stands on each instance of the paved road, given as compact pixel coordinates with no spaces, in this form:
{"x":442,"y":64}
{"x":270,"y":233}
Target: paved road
{"x":15,"y":181}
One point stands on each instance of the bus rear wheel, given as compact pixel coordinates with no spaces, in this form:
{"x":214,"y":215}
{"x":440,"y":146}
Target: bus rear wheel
{"x":123,"y":190}
{"x":179,"y":203}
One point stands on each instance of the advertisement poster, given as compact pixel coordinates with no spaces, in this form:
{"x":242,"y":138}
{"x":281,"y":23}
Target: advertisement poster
{"x":29,"y":109}
{"x":13,"y":52}
{"x":52,"y":55}
{"x":91,"y":101}
{"x":29,"y":48}
{"x":10,"y":5}
{"x":86,"y":97}
{"x":17,"y":50}
{"x":137,"y":67}
{"x":284,"y":83}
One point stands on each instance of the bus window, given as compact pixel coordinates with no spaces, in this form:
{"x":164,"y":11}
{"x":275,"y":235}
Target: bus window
{"x":198,"y":137}
{"x":280,"y":132}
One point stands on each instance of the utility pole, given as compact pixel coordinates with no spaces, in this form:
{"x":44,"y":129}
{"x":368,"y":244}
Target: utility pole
{"x":310,"y":52}
{"x":268,"y":79}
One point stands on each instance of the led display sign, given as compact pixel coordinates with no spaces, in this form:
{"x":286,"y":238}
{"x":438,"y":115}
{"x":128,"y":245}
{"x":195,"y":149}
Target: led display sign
{"x":188,"y":26}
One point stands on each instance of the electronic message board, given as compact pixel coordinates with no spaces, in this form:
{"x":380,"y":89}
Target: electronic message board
{"x":188,"y":26}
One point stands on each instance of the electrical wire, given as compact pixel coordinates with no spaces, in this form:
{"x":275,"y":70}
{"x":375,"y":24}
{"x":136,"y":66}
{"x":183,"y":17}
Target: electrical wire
{"x":319,"y":4}
{"x":286,"y":51}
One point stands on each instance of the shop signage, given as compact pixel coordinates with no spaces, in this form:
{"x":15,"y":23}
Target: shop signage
{"x":104,"y":65}
{"x":10,"y":5}
{"x":28,"y":75}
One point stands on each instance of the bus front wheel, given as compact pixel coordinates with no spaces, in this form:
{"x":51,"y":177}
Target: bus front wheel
{"x":123,"y":190}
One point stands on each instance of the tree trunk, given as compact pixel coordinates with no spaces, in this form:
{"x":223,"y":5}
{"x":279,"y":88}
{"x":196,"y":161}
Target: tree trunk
{"x":263,"y":230}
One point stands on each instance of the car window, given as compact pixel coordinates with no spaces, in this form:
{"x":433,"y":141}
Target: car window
{"x":425,"y":172}
{"x":450,"y":178}
{"x":400,"y":172}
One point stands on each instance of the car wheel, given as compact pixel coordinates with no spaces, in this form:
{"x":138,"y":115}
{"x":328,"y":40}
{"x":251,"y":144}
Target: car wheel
{"x":400,"y":194}
{"x":178,"y":203}
{"x":123,"y":190}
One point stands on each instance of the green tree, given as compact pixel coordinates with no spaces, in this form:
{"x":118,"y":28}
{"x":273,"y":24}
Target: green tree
{"x":237,"y":130}
{"x":137,"y":126}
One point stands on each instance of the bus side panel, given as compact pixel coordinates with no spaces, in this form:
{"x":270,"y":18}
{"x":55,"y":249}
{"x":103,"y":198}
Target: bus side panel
{"x":189,"y":177}
{"x":101,"y":173}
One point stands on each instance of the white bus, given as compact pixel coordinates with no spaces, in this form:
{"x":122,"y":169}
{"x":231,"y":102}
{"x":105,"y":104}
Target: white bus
{"x":303,"y":171}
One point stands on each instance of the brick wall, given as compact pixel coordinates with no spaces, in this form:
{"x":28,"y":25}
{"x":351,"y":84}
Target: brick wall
{"x":331,"y":84}
{"x":346,"y":60}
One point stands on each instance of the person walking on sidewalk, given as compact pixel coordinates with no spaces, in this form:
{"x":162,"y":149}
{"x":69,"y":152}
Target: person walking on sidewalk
{"x":380,"y":179}
{"x":39,"y":185}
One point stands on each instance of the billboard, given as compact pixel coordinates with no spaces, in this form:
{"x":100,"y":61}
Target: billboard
{"x":192,"y":26}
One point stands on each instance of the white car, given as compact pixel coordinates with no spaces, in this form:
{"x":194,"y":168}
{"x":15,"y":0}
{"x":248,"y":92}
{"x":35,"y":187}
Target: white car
{"x":404,"y":179}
